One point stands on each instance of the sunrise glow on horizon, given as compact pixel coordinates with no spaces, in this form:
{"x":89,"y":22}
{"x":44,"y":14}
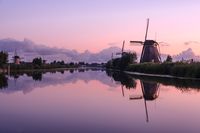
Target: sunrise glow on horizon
{"x":99,"y":24}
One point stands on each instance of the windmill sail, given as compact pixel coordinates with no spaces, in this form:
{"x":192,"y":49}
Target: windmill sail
{"x":133,"y":42}
{"x":122,"y":49}
{"x":147,"y":28}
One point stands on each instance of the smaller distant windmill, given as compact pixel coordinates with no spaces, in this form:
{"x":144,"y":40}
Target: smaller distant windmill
{"x":16,"y":58}
{"x":150,"y":51}
{"x":122,"y":52}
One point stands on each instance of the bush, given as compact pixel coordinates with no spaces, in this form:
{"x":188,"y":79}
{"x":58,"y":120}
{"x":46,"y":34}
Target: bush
{"x":123,"y":62}
{"x":3,"y":58}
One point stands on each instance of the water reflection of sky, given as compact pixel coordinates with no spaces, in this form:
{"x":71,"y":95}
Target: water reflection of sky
{"x":26,"y":84}
{"x":83,"y":102}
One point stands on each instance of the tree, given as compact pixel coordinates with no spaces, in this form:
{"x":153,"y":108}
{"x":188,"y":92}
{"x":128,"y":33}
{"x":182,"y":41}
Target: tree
{"x":127,"y":59}
{"x":123,"y":62}
{"x":3,"y":58}
{"x":81,"y":63}
{"x":37,"y":61}
{"x":71,"y":64}
{"x":62,"y":63}
{"x":54,"y":62}
{"x":169,"y":59}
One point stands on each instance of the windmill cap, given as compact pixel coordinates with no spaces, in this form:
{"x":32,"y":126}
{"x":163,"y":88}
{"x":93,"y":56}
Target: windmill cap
{"x":16,"y":56}
{"x":150,"y":42}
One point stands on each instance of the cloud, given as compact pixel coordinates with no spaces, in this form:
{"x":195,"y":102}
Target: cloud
{"x":10,"y":45}
{"x":191,"y":42}
{"x":29,"y":50}
{"x":114,"y":44}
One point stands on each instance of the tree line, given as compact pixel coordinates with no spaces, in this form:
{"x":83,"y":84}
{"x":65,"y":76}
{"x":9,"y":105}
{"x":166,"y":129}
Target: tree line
{"x":127,"y":62}
{"x":39,"y":63}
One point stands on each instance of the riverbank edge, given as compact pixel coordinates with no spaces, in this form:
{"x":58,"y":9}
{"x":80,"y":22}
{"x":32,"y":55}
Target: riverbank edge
{"x":154,"y":75}
{"x":159,"y":75}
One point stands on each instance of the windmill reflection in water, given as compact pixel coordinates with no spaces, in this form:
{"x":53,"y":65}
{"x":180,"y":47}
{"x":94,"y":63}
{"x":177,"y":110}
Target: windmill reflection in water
{"x":150,"y":92}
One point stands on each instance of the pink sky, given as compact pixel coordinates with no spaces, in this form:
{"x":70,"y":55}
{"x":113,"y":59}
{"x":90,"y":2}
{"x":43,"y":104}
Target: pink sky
{"x":93,"y":25}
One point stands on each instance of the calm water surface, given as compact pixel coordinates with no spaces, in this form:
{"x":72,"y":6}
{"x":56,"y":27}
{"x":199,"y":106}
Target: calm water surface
{"x":97,"y":101}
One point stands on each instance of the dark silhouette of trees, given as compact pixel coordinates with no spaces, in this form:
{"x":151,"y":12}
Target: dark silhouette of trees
{"x":3,"y":58}
{"x":37,"y":61}
{"x":71,"y":64}
{"x":37,"y":76}
{"x":123,"y":62}
{"x":169,"y":59}
{"x":3,"y":81}
{"x":58,"y":62}
{"x":126,"y":59}
{"x":123,"y":78}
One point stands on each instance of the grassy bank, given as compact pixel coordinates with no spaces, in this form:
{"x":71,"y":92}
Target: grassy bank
{"x":191,"y":70}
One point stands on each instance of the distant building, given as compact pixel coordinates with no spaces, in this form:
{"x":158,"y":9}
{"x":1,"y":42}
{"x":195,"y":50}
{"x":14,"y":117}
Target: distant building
{"x":16,"y":60}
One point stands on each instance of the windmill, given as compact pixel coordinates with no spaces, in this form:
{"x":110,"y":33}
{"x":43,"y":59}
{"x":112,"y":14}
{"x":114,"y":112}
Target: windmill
{"x":122,"y":52}
{"x":16,"y":58}
{"x":150,"y":51}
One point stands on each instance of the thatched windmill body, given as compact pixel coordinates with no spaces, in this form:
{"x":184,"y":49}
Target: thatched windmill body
{"x":150,"y":52}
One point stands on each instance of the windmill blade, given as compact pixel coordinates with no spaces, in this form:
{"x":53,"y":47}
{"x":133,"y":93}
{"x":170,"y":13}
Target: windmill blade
{"x":112,"y":56}
{"x":135,"y":97}
{"x":147,"y":29}
{"x":136,"y":42}
{"x":159,"y":55}
{"x":123,"y":46}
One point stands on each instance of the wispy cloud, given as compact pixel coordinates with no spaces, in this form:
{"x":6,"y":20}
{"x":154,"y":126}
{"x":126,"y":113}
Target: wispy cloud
{"x":114,"y":44}
{"x":191,"y":42}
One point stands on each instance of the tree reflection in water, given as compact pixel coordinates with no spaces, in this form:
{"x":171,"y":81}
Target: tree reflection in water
{"x":3,"y":81}
{"x":123,"y":78}
{"x":184,"y":85}
{"x":37,"y":76}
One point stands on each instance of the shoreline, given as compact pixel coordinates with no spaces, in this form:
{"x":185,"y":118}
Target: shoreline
{"x":46,"y":70}
{"x":155,"y":75}
{"x":160,"y":75}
